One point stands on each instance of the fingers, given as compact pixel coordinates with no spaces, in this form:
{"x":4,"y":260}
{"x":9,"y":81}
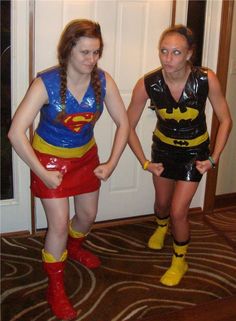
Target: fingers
{"x":156,"y":168}
{"x":60,"y":176}
{"x":100,"y":173}
{"x":203,"y":166}
{"x":54,"y":179}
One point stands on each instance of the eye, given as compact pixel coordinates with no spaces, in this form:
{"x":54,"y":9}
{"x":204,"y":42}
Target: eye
{"x":177,"y":52}
{"x":164,"y":51}
{"x":96,"y":52}
{"x":85,"y":52}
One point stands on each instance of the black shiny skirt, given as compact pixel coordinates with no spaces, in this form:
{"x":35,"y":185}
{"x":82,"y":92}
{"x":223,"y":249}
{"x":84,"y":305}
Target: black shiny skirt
{"x":179,"y":162}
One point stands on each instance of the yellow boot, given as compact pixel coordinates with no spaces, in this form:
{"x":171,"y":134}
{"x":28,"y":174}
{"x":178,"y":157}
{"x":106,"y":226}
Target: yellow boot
{"x":178,"y":266}
{"x":156,"y":241}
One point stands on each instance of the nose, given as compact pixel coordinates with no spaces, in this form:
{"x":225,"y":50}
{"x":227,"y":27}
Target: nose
{"x":91,"y":57}
{"x":168,"y":56}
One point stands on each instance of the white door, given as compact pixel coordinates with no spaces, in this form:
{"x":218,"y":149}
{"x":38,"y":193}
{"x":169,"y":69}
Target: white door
{"x":130,"y":30}
{"x":16,"y":211}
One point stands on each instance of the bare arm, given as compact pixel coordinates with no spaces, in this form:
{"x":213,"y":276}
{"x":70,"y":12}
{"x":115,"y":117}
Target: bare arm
{"x":117,"y":111}
{"x":222,"y":112}
{"x":28,"y":109}
{"x":135,"y":110}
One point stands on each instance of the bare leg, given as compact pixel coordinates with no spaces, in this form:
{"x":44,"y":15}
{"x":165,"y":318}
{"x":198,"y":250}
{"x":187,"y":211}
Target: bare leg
{"x":183,"y":195}
{"x":86,"y":206}
{"x":57,"y":213}
{"x":164,"y":189}
{"x":86,"y":210}
{"x":54,"y":256}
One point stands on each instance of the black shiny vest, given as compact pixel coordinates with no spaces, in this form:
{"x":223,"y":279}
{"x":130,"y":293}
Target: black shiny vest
{"x":182,"y":123}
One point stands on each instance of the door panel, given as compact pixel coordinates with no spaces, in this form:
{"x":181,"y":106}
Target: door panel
{"x":130,"y":31}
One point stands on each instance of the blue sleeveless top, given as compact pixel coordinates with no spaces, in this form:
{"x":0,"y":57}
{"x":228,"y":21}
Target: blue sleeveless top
{"x":75,"y":128}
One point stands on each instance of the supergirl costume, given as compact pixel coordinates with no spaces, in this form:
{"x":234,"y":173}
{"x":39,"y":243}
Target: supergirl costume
{"x":67,"y":144}
{"x":180,"y":137}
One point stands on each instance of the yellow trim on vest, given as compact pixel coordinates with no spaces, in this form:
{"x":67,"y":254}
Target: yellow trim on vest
{"x":43,"y":147}
{"x":49,"y":258}
{"x":181,"y":142}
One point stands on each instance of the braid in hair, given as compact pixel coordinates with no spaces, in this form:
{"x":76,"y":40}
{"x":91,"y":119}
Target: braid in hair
{"x":96,"y":84}
{"x":63,"y":87}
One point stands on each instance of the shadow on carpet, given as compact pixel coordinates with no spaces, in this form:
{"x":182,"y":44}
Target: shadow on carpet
{"x":126,"y":287}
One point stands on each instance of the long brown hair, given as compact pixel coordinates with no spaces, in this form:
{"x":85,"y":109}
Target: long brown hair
{"x":73,"y":31}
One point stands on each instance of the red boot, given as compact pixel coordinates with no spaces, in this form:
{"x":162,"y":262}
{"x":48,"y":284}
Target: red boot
{"x":56,"y":296}
{"x":77,"y":253}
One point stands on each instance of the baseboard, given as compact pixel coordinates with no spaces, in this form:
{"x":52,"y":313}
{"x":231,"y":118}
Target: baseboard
{"x":136,"y":219}
{"x":124,"y":221}
{"x":103,"y":224}
{"x":225,"y":200}
{"x":16,"y":234}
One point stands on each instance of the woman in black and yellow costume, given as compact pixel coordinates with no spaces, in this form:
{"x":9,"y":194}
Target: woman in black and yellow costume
{"x":180,"y":150}
{"x":63,"y":157}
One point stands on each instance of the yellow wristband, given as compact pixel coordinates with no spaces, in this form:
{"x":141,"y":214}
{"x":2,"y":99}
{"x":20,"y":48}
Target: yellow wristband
{"x":145,"y":165}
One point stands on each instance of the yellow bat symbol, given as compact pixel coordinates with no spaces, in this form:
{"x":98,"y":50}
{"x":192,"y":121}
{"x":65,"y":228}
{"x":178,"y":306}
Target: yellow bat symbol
{"x":176,"y":114}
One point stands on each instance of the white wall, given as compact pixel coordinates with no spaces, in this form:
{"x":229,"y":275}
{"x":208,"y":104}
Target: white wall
{"x":226,"y":180}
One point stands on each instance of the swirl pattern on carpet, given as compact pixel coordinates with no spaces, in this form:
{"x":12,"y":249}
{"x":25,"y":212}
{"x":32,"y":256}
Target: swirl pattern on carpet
{"x":126,"y":287}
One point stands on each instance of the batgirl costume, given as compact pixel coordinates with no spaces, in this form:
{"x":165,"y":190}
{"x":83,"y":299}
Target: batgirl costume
{"x":180,"y":137}
{"x":67,"y":144}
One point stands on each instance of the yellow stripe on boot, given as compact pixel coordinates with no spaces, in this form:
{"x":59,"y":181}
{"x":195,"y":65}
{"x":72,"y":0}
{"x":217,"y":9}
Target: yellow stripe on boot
{"x":56,"y":294}
{"x":77,"y":252}
{"x":178,"y":266}
{"x":49,"y":258}
{"x":75,"y":234}
{"x":156,"y":241}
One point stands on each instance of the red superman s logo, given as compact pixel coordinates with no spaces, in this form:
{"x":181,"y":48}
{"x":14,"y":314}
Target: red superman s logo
{"x":75,"y":122}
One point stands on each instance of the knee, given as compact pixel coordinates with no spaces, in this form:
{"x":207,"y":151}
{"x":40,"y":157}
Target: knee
{"x":162,"y":208}
{"x":87,"y":216}
{"x":60,"y":229}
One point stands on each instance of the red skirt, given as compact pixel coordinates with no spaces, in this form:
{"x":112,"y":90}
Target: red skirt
{"x":78,"y":175}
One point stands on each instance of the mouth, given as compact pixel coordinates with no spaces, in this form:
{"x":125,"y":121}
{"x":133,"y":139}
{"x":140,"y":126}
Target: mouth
{"x":89,"y":66}
{"x":167,"y":66}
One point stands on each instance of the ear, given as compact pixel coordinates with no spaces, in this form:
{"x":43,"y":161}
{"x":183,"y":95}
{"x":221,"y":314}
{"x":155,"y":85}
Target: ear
{"x":190,"y":53}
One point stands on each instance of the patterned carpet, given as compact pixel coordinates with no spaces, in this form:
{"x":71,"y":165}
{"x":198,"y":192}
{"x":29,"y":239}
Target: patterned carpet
{"x":126,"y":287}
{"x":225,"y":224}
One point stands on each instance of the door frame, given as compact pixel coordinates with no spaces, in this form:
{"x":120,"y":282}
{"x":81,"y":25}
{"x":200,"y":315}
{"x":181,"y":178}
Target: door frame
{"x":222,"y":73}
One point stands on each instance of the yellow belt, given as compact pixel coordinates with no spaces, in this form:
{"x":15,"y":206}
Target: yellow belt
{"x":181,"y":142}
{"x":43,"y":147}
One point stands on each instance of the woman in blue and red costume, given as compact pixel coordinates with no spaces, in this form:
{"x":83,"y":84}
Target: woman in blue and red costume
{"x":63,"y":157}
{"x":180,"y":149}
